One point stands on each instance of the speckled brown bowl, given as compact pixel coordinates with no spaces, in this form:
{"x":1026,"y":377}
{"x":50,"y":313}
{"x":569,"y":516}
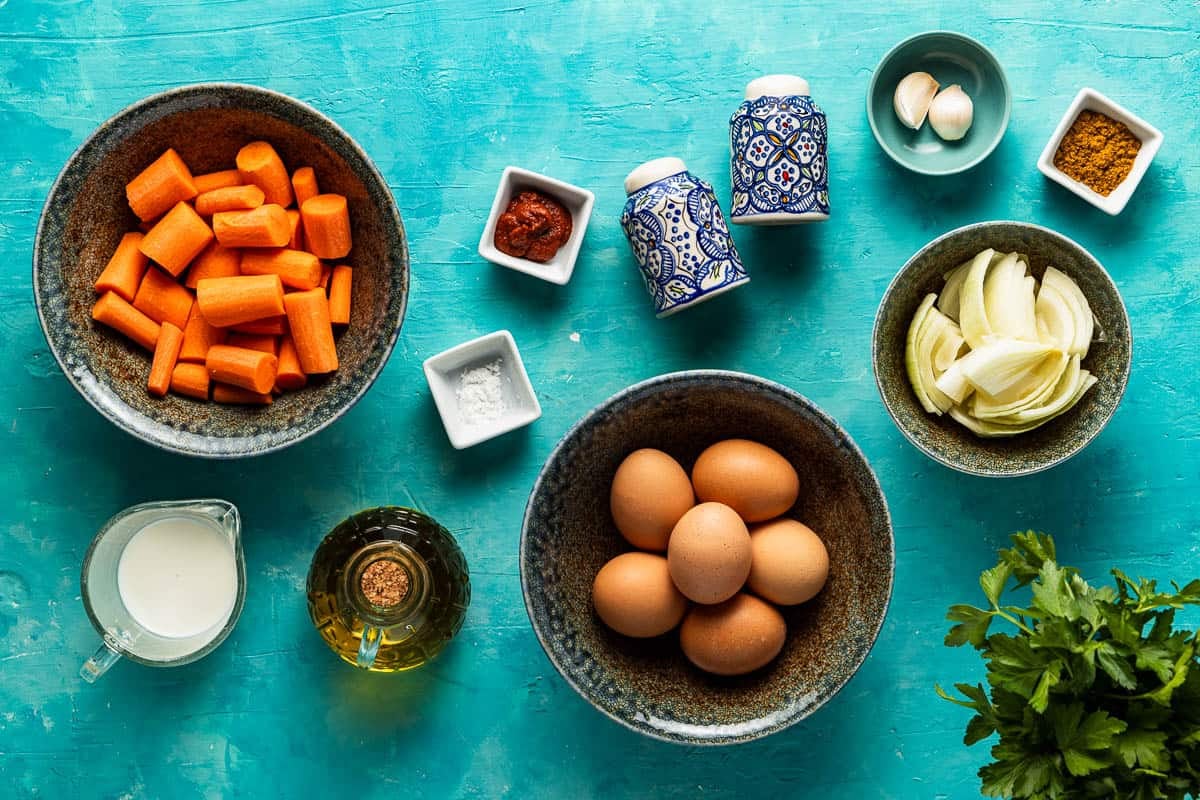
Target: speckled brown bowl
{"x":86,"y":214}
{"x":943,"y":439}
{"x":648,"y":685}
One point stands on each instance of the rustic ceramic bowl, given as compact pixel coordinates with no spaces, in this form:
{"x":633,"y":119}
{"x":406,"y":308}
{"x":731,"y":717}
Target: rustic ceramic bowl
{"x":86,"y":214}
{"x":648,"y":685}
{"x":943,"y":439}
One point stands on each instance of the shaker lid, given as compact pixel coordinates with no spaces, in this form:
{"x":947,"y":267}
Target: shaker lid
{"x":653,"y":171}
{"x":776,"y":86}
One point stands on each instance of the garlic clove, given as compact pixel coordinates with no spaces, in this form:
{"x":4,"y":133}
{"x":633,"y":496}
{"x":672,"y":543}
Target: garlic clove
{"x":912,"y":98}
{"x":951,"y":113}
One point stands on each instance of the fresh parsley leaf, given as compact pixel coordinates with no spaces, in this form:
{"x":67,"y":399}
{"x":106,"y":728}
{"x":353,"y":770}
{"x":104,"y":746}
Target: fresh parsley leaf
{"x":1116,"y":666}
{"x":992,"y":582}
{"x":972,"y":628}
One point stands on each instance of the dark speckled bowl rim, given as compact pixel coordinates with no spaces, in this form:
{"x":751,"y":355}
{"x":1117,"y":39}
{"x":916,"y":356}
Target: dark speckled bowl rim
{"x":391,"y":213}
{"x":902,"y":276}
{"x":832,"y":428}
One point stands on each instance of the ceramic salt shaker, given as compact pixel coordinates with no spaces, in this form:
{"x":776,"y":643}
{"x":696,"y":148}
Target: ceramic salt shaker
{"x":679,"y":236}
{"x":780,"y":165}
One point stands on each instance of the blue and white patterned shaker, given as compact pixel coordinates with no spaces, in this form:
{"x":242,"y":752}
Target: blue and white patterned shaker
{"x":780,"y":164}
{"x":679,"y":236}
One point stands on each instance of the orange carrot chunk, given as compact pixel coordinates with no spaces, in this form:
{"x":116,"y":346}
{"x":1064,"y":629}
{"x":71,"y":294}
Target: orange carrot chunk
{"x":166,"y":354}
{"x":273,"y":326}
{"x":191,"y":380}
{"x":198,"y":336}
{"x":243,"y":298}
{"x":289,"y":376}
{"x":217,"y":180}
{"x":296,"y":268}
{"x":339,"y":295}
{"x":304,"y":183}
{"x":265,"y":226}
{"x":326,"y":220}
{"x":249,"y":369}
{"x":125,"y":269}
{"x":312,"y":332}
{"x":160,"y":186}
{"x":297,"y":240}
{"x":217,"y":261}
{"x":235,"y":395}
{"x":178,"y":237}
{"x":262,"y":342}
{"x":229,"y":198}
{"x":115,"y":312}
{"x":162,"y":299}
{"x":259,"y":164}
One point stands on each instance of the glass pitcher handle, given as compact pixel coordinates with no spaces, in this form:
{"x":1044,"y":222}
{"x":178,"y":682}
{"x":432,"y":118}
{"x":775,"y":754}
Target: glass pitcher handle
{"x":100,"y":663}
{"x":368,"y":648}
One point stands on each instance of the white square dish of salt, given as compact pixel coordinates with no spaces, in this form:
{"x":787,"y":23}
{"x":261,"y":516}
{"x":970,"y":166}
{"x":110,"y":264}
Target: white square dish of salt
{"x":481,"y":389}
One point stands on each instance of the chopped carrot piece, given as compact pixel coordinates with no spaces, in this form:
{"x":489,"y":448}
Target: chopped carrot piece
{"x":229,"y":198}
{"x":249,"y":369}
{"x":326,"y":225}
{"x":304,"y":183}
{"x":235,"y":395}
{"x":217,"y":261}
{"x":297,"y":240}
{"x":160,"y":186}
{"x":265,"y":226}
{"x":289,"y":376}
{"x":191,"y":380}
{"x":243,"y":298}
{"x":312,"y":332}
{"x":198,"y":336}
{"x":273,"y":326}
{"x":339,"y":295}
{"x":258,"y":163}
{"x":176,"y":239}
{"x":162,"y":299}
{"x":116,"y":312}
{"x":262,"y":342}
{"x":217,"y":180}
{"x":166,"y":354}
{"x":296,"y":268}
{"x":125,"y":269}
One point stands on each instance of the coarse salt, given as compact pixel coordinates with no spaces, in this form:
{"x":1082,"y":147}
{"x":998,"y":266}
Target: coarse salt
{"x":480,"y":394}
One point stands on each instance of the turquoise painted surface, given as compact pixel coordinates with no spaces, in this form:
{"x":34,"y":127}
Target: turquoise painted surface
{"x":443,"y":96}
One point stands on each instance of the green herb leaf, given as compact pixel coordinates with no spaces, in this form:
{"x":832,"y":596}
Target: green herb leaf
{"x":972,"y":628}
{"x":992,"y":582}
{"x":1116,"y":666}
{"x":1144,"y":748}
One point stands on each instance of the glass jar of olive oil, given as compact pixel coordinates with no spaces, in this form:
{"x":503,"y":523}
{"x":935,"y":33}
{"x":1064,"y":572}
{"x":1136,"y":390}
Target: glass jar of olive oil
{"x":388,"y":589}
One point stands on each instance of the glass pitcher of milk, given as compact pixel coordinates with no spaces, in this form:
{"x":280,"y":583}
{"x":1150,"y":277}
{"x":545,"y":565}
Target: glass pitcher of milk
{"x":163,"y":583}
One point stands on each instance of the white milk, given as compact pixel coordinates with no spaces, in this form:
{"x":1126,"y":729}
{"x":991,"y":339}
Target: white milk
{"x":178,"y":577}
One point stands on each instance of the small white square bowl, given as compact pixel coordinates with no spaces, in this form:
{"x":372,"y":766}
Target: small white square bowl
{"x":1089,"y":99}
{"x":576,"y":200}
{"x":444,"y":371}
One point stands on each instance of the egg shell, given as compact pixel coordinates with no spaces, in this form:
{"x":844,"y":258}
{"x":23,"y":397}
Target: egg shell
{"x":709,"y":553}
{"x":790,"y":563}
{"x":738,"y":636}
{"x":633,"y":594}
{"x":650,"y":492}
{"x":751,"y":478}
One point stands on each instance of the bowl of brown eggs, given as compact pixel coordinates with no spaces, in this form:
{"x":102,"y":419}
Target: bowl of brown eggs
{"x":707,"y":557}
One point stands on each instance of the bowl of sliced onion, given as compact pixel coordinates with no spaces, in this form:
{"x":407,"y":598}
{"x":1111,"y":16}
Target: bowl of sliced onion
{"x":1002,"y":349}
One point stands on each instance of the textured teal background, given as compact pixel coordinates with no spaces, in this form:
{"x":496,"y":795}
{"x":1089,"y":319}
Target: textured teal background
{"x":443,"y":96}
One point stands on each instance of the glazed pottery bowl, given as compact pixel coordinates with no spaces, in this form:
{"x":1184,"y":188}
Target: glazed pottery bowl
{"x":647,"y":684}
{"x":86,"y":214}
{"x":950,"y":58}
{"x":943,"y":439}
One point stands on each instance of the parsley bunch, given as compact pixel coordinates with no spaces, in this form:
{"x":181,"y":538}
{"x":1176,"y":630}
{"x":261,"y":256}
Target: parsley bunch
{"x":1094,"y":695}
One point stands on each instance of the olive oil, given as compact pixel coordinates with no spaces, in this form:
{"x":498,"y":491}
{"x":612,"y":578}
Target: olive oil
{"x":388,"y":589}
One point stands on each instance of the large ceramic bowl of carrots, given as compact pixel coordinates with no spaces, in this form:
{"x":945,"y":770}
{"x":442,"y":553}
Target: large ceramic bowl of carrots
{"x":220,"y":270}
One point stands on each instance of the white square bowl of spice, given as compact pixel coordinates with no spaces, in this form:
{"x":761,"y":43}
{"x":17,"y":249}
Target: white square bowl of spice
{"x":536,"y":225}
{"x":1100,"y":151}
{"x":481,"y":389}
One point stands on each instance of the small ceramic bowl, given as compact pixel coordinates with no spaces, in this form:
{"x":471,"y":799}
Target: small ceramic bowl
{"x":577,"y":201}
{"x":950,"y":58}
{"x":948,"y":442}
{"x":647,"y":684}
{"x":518,"y":406}
{"x":86,"y":214}
{"x":1089,"y":99}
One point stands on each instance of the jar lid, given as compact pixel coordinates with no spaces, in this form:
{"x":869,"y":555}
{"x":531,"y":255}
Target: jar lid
{"x":776,"y":86}
{"x":653,"y":171}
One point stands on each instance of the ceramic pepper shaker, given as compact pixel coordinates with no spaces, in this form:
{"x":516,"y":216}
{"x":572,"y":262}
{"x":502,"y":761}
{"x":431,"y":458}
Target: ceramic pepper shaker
{"x":780,"y":167}
{"x":679,"y":236}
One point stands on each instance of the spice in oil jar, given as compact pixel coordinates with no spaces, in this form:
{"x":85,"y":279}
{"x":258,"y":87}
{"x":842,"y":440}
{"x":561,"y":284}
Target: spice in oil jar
{"x":1098,"y":151}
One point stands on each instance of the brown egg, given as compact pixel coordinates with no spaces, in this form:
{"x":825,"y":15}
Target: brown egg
{"x":634,"y":595}
{"x":751,"y":478}
{"x":650,"y":492}
{"x":733,"y":638}
{"x":790,"y":562}
{"x":709,"y":553}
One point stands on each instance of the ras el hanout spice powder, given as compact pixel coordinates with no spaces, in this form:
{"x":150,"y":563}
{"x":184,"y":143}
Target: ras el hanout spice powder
{"x":1097,"y":151}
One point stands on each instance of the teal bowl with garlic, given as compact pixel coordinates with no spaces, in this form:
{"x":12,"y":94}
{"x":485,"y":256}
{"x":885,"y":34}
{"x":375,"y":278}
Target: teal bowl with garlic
{"x":946,"y":440}
{"x":952,"y":59}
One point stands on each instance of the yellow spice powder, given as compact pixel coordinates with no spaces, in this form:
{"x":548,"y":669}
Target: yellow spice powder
{"x":1097,"y":151}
